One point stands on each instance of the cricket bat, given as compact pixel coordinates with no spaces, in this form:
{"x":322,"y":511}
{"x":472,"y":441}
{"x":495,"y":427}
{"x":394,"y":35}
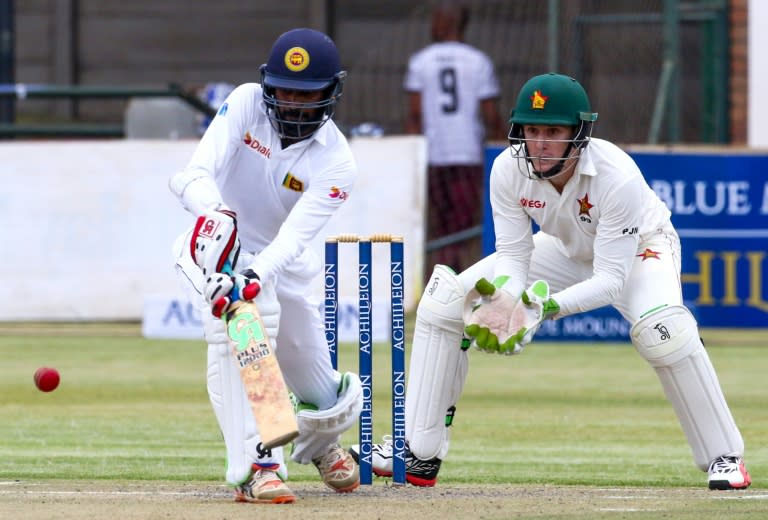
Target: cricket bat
{"x":262,"y":378}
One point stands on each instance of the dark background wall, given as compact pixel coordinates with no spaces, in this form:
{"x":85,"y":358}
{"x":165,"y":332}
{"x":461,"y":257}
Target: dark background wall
{"x":614,"y":47}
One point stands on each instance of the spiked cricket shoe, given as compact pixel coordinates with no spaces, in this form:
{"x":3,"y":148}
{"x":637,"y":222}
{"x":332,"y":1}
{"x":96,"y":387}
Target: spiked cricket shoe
{"x":418,"y":472}
{"x":728,"y":473}
{"x":265,"y":487}
{"x":338,"y":469}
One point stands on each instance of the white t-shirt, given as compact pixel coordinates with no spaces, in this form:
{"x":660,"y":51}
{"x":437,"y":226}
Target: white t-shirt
{"x":603,"y":213}
{"x":282,"y":198}
{"x":453,"y":78}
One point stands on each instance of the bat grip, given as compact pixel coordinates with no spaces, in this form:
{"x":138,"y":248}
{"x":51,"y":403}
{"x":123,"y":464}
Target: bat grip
{"x":227,"y":269}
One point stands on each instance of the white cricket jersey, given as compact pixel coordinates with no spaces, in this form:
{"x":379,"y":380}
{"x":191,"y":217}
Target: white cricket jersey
{"x":453,"y":78}
{"x":282,"y":197}
{"x":603,"y":213}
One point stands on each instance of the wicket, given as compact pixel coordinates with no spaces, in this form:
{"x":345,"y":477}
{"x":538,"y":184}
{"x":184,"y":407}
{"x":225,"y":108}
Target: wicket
{"x":365,"y":345}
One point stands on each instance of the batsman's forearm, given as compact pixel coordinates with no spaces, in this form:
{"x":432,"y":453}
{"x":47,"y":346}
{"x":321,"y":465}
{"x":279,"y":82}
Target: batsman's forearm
{"x":196,"y":191}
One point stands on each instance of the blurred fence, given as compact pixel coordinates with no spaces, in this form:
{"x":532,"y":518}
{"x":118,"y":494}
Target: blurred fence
{"x":616,"y":48}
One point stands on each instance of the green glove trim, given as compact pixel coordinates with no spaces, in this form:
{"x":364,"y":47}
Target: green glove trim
{"x":550,"y":308}
{"x":499,"y":281}
{"x":485,"y":287}
{"x":540,"y":289}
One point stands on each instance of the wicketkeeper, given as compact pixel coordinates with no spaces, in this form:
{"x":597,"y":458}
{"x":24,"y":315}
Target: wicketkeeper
{"x":605,"y":239}
{"x":269,"y":172}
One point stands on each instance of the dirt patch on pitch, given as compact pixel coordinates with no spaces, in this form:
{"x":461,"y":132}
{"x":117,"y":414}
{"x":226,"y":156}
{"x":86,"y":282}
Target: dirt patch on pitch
{"x":144,"y":500}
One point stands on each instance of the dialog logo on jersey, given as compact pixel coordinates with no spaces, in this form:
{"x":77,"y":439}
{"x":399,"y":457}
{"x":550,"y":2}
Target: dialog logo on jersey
{"x":538,"y":100}
{"x":296,"y":59}
{"x":223,"y":109}
{"x":649,"y":253}
{"x":336,"y":193}
{"x":584,"y":207}
{"x":292,"y":183}
{"x":254,"y":144}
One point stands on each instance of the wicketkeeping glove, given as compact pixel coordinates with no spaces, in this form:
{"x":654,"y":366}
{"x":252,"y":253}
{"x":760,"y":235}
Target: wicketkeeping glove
{"x":214,"y":241}
{"x":487,"y":315}
{"x":223,"y":289}
{"x":541,"y":307}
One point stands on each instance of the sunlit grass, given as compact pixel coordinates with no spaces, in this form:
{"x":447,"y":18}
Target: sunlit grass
{"x":129,"y":408}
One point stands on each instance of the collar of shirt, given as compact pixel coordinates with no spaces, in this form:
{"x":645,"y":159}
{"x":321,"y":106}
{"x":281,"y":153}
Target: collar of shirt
{"x":585,"y":166}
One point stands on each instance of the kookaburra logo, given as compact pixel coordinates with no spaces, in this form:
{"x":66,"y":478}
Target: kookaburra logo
{"x":663,"y":331}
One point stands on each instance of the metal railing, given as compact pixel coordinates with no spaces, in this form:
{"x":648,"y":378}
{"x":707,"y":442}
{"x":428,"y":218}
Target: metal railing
{"x":22,"y":91}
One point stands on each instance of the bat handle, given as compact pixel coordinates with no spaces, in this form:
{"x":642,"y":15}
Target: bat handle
{"x":233,"y":296}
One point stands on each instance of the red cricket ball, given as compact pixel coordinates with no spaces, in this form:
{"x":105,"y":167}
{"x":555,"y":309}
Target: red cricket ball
{"x":46,"y":379}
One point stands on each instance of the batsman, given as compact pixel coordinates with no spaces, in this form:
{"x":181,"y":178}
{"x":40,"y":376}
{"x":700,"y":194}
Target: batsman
{"x":604,"y":238}
{"x":267,"y":175}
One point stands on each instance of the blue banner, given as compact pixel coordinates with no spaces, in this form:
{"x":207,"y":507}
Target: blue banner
{"x":719,"y":204}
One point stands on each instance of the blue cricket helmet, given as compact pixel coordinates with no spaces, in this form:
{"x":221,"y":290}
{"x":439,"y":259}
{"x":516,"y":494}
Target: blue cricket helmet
{"x":304,"y":60}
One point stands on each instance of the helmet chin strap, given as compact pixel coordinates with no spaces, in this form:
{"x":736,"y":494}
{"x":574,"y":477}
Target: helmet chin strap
{"x":556,"y":169}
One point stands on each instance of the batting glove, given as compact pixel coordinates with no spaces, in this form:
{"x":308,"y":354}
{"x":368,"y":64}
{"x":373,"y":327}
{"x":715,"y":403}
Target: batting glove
{"x":222,"y":290}
{"x":214,"y":241}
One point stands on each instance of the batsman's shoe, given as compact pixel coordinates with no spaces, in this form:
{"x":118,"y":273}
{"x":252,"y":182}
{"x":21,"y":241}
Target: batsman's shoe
{"x":728,"y":473}
{"x":422,"y":473}
{"x":338,"y":469}
{"x":265,"y":486}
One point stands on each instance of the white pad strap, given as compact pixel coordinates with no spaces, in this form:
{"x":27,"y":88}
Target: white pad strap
{"x":233,"y":413}
{"x":668,"y":339}
{"x":438,"y":366}
{"x":318,"y":430}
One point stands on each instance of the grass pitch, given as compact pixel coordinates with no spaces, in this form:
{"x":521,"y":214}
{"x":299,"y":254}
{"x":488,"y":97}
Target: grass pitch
{"x":562,"y":426}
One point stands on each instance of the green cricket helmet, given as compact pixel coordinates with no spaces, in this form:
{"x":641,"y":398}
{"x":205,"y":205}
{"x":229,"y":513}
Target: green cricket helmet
{"x":557,"y":100}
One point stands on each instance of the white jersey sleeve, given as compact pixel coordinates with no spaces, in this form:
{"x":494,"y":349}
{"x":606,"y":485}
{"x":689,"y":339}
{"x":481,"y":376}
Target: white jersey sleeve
{"x":196,"y":186}
{"x":512,"y":225}
{"x":600,"y":216}
{"x":282,"y":196}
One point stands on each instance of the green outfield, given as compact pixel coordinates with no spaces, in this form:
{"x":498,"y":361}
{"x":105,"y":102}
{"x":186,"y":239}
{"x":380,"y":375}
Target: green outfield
{"x":133,"y":411}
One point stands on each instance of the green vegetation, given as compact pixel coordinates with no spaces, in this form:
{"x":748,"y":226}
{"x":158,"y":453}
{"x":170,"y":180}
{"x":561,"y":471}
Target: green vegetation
{"x":129,"y":408}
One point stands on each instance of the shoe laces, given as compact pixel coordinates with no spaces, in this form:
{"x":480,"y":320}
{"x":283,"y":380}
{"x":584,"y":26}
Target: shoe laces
{"x":724,"y":464}
{"x":328,"y":461}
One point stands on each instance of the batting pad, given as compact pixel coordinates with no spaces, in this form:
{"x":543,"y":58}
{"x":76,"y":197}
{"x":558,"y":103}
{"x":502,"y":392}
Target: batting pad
{"x":438,"y":365}
{"x":233,"y":413}
{"x":669,"y":341}
{"x":320,"y":429}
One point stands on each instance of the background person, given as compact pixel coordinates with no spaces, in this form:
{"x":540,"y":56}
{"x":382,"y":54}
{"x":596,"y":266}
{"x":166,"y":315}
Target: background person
{"x":453,"y":98}
{"x":269,"y":172}
{"x":606,"y":239}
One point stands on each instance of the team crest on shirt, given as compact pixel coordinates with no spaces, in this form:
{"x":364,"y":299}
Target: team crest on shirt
{"x":538,"y":100}
{"x":336,"y":193}
{"x":584,"y":207}
{"x":292,"y":183}
{"x":649,"y":253}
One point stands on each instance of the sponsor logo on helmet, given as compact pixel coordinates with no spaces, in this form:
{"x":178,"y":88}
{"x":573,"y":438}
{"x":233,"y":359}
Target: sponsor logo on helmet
{"x":254,"y":144}
{"x":292,"y":183}
{"x":296,"y":59}
{"x":538,"y":100}
{"x":336,"y":193}
{"x":649,"y":253}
